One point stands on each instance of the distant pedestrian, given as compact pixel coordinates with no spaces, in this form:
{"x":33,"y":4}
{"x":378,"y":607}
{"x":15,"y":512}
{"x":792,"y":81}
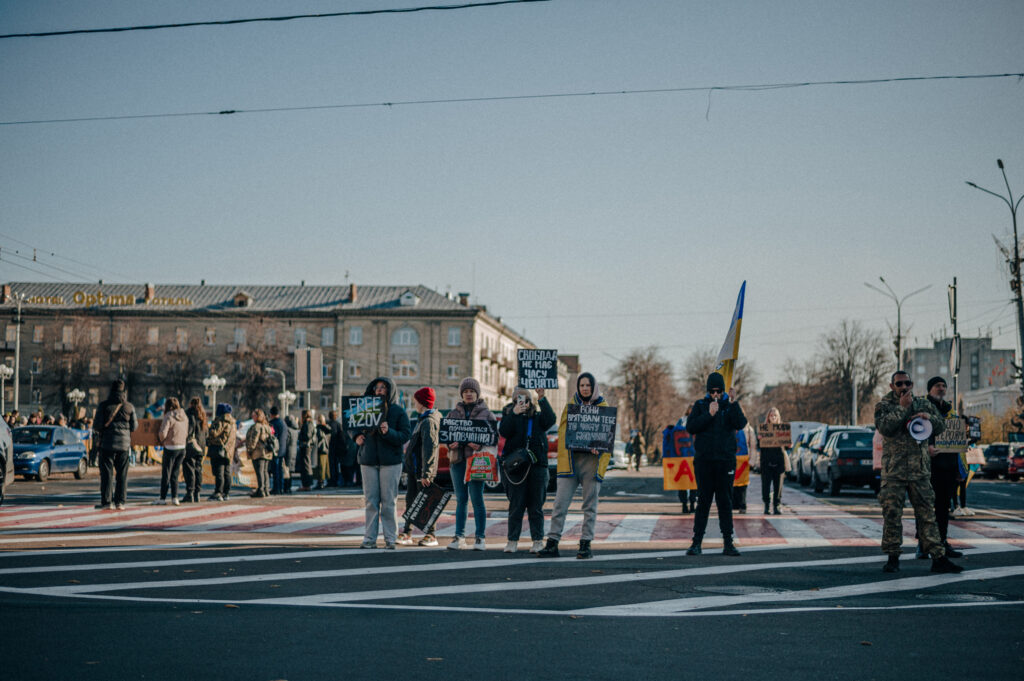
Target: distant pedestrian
{"x":773,"y":467}
{"x":173,"y":435}
{"x":113,"y":425}
{"x":278,"y":464}
{"x":220,"y":445}
{"x":472,"y":406}
{"x":577,"y":467}
{"x":195,"y":450}
{"x":305,"y":459}
{"x":260,"y":444}
{"x":637,"y":450}
{"x":292,"y":452}
{"x":322,"y":471}
{"x":337,"y":450}
{"x":420,"y":460}
{"x":713,"y":422}
{"x":524,"y":425}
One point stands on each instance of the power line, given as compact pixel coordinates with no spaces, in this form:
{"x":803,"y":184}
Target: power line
{"x":45,"y":251}
{"x":228,"y":22}
{"x":505,"y":98}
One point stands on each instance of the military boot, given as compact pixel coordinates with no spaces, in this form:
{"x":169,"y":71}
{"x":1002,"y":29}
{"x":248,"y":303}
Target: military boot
{"x":767,"y":508}
{"x":550,"y":549}
{"x":729,"y":549}
{"x":694,"y":549}
{"x":584,"y":551}
{"x":946,"y":566}
{"x":893,"y":564}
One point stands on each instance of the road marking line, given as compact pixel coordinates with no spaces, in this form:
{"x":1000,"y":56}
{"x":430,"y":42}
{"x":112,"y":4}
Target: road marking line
{"x":794,"y":530}
{"x":244,"y":519}
{"x":318,"y":521}
{"x":633,"y":528}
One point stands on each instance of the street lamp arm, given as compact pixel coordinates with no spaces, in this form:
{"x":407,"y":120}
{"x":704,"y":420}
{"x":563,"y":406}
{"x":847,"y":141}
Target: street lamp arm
{"x":998,"y":196}
{"x":884,"y":293}
{"x":913,"y":293}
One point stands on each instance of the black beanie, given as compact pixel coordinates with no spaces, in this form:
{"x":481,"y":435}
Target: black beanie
{"x":716,"y":380}
{"x":933,"y":380}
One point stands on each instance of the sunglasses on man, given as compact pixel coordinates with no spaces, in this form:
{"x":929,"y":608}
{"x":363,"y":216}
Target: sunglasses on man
{"x":903,"y":384}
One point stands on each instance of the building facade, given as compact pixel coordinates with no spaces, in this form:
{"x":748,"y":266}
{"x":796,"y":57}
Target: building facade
{"x":165,"y":339}
{"x":981,"y":366}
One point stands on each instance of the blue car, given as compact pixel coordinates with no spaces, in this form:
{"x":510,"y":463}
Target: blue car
{"x":42,"y":450}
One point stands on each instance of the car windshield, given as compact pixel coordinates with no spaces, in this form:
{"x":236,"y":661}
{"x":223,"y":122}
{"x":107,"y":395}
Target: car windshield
{"x":32,"y":436}
{"x":854,"y":441}
{"x":997,"y":450}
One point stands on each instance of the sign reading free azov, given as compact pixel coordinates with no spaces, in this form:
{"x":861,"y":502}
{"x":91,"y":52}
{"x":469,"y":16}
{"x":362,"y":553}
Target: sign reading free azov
{"x":362,"y":413}
{"x":538,"y":369}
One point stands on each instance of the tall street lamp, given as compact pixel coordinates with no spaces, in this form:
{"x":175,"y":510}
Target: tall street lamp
{"x":286,"y":397}
{"x":1015,"y":284}
{"x":284,"y":389}
{"x":212,"y":384}
{"x":889,"y":293}
{"x":75,"y":397}
{"x":5,"y":373}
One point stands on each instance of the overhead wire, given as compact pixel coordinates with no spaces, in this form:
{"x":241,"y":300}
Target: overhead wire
{"x":292,"y":17}
{"x":46,"y":251}
{"x":505,"y":98}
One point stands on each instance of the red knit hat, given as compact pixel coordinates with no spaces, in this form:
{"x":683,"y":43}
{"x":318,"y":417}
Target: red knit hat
{"x":425,"y":396}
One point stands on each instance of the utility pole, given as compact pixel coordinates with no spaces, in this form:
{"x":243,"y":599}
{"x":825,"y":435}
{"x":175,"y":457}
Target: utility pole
{"x":20,"y":297}
{"x":954,"y":348}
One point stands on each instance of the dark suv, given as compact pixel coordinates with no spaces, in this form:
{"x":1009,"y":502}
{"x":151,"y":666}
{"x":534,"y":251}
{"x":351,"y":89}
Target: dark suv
{"x":996,"y":460}
{"x":845,"y":460}
{"x":810,"y":453}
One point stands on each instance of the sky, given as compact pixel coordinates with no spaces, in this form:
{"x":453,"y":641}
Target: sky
{"x":591,"y":224}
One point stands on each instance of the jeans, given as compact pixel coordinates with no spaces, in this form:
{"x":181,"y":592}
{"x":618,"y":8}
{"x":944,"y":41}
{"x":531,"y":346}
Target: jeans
{"x":170,"y":468}
{"x":585,"y":467}
{"x":261,"y":467}
{"x":714,"y":481}
{"x":277,"y":470}
{"x":472,"y":491}
{"x":528,"y":497}
{"x":380,"y":491}
{"x":113,"y":477}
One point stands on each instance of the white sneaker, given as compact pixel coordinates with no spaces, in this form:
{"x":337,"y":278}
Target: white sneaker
{"x":404,"y":539}
{"x":537,"y":546}
{"x":118,"y":507}
{"x":175,"y":501}
{"x":957,"y":512}
{"x":159,"y":502}
{"x":456,"y":543}
{"x":480,"y":545}
{"x":510,"y":547}
{"x":968,"y":511}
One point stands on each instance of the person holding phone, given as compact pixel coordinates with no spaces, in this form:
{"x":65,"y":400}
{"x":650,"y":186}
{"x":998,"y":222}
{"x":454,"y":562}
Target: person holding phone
{"x":524,"y":425}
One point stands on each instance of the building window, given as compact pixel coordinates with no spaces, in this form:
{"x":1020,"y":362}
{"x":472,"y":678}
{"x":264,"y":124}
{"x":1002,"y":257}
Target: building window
{"x":181,"y":336}
{"x":66,"y":364}
{"x":453,"y":371}
{"x":210,"y":336}
{"x":208,"y":367}
{"x":94,"y":335}
{"x":355,"y":335}
{"x":11,"y":333}
{"x":325,"y":401}
{"x":151,"y":367}
{"x":67,"y":335}
{"x":300,"y":337}
{"x":354,"y":370}
{"x":405,"y":353}
{"x":94,"y":366}
{"x":238,"y":368}
{"x":327,"y":337}
{"x":404,"y":368}
{"x":405,"y":336}
{"x":271,"y":337}
{"x":122,"y":367}
{"x":454,"y":336}
{"x":153,"y":335}
{"x":239,"y":336}
{"x":94,"y":396}
{"x":37,"y":334}
{"x":328,"y":370}
{"x":37,"y":365}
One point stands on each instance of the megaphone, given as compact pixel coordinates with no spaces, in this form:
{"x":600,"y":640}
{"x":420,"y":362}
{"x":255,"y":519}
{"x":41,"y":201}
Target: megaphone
{"x":920,"y":429}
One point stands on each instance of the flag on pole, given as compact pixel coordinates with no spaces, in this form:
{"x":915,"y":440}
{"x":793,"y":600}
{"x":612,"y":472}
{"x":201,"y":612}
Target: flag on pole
{"x":731,"y":348}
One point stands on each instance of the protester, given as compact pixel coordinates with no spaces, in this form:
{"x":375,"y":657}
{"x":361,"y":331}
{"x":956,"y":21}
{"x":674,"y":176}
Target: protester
{"x":906,"y":471}
{"x":322,"y":471}
{"x":637,"y":450}
{"x":773,"y":467}
{"x":687,"y":497}
{"x":305,"y":460}
{"x":115,"y":420}
{"x":577,"y":467}
{"x":260,"y":444}
{"x":172,"y":436}
{"x":420,"y":460}
{"x":292,"y":451}
{"x":195,"y":450}
{"x":713,"y":422}
{"x":524,"y":425}
{"x":739,"y":487}
{"x":472,"y":406}
{"x":338,"y":448}
{"x":380,"y":460}
{"x":220,"y":445}
{"x":278,"y":463}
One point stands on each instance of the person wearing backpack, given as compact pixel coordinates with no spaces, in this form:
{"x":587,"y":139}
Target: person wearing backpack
{"x":220,"y":445}
{"x":524,"y":425}
{"x":112,"y":432}
{"x":261,"y":444}
{"x":195,"y":450}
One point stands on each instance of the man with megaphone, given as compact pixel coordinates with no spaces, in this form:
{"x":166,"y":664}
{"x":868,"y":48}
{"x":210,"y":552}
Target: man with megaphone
{"x":906,"y":422}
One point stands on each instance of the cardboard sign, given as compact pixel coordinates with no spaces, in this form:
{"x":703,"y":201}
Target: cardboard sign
{"x":427,"y":507}
{"x":678,"y":473}
{"x":483,"y":466}
{"x":468,"y":431}
{"x":775,"y":435}
{"x":362,"y":413}
{"x":146,"y":435}
{"x":588,"y":427}
{"x":954,"y":438}
{"x":538,"y":369}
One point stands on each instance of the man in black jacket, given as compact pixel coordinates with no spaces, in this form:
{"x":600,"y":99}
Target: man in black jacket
{"x":112,"y":429}
{"x":713,"y":422}
{"x":945,"y":469}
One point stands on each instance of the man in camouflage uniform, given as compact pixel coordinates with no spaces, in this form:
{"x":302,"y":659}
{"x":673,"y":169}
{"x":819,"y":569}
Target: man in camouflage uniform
{"x":906,"y":470}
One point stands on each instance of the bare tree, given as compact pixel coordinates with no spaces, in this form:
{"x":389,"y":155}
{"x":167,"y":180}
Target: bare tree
{"x":850,"y":353}
{"x":702,"y":363}
{"x":249,"y":376}
{"x":648,"y":398}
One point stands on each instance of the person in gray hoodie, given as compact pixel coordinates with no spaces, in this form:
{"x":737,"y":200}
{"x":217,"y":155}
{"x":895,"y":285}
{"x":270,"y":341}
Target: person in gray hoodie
{"x":173,"y":435}
{"x":380,"y":460}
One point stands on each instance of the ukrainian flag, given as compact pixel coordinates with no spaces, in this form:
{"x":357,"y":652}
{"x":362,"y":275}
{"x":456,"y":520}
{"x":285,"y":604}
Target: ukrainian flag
{"x":731,"y":348}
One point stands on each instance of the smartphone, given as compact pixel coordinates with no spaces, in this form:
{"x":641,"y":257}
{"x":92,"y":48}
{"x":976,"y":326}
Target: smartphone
{"x":521,"y":399}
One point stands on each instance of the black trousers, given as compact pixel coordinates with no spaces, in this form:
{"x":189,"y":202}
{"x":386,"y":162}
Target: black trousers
{"x":221,"y":467}
{"x":113,"y":476}
{"x":944,"y":483}
{"x":170,"y":468}
{"x":192,"y":470}
{"x":413,"y":488}
{"x":714,"y":481}
{"x":771,"y":476}
{"x":528,"y":497}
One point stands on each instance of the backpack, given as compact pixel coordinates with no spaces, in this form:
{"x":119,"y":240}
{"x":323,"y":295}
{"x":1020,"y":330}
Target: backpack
{"x":271,"y":445}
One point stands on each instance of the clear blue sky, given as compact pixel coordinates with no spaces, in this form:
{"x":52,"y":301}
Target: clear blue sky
{"x":593,"y":224}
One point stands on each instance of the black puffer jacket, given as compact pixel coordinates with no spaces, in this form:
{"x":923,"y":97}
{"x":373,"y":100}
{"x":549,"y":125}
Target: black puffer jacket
{"x":714,"y":437}
{"x":513,"y":428}
{"x":112,"y":425}
{"x":385,"y":450}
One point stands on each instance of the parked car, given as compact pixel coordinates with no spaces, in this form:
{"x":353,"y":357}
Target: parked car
{"x":845,"y":460}
{"x":996,"y":460}
{"x":42,"y":450}
{"x":794,"y":456}
{"x":815,"y":445}
{"x":1015,"y":462}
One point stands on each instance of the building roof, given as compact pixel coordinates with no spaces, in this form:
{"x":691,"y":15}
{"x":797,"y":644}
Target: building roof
{"x":220,"y":298}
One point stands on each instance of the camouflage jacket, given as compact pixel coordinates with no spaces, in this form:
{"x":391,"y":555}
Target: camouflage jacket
{"x":903,"y":457}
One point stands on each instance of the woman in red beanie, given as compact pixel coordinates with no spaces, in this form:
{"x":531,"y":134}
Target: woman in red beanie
{"x":421,"y":458}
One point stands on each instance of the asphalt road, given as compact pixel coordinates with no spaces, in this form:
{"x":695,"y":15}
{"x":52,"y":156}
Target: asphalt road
{"x":182,"y":603}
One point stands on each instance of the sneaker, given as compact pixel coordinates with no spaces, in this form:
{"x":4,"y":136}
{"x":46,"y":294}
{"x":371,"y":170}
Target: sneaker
{"x":120,"y":507}
{"x":428,"y":540}
{"x":537,"y":546}
{"x":367,"y":544}
{"x":214,"y":497}
{"x":967,"y":511}
{"x":389,"y":546}
{"x":550,"y":549}
{"x":175,"y":501}
{"x":778,"y":511}
{"x":456,"y":544}
{"x":510,"y":547}
{"x":957,"y":512}
{"x":893,"y":564}
{"x":159,"y":502}
{"x":584,"y":551}
{"x":480,"y":544}
{"x":186,"y":500}
{"x":405,"y":539}
{"x":694,"y":549}
{"x":102,"y":507}
{"x":946,"y":566}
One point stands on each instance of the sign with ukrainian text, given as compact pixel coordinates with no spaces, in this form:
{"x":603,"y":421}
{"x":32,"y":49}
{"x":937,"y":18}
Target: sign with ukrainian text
{"x":954,"y":438}
{"x":538,"y":369}
{"x":468,"y":431}
{"x":588,"y":427}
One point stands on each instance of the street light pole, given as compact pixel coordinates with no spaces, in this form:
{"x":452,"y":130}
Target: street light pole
{"x":5,"y":373}
{"x":1015,"y":282}
{"x":213,"y":384}
{"x":284,"y":389}
{"x":899,"y":312}
{"x":74,"y":397}
{"x":20,"y":297}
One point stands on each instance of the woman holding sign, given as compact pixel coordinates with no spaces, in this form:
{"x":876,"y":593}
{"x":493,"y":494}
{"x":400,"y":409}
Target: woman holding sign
{"x":577,"y":467}
{"x":773,"y":465}
{"x":380,"y":459}
{"x":524,"y":425}
{"x":471,"y":407}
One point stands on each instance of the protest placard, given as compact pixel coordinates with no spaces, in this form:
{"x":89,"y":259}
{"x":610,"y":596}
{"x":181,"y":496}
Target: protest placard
{"x":588,"y":427}
{"x":475,"y":431}
{"x":538,"y":369}
{"x":775,"y":435}
{"x":146,"y":434}
{"x":362,"y":413}
{"x":426,"y":508}
{"x":954,"y":437}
